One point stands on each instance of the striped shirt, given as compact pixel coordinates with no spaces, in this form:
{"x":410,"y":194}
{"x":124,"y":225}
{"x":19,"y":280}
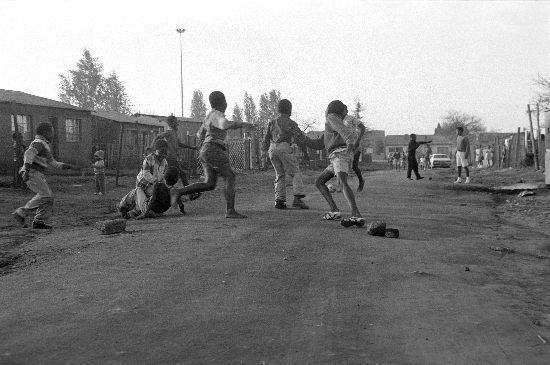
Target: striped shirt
{"x":39,"y":155}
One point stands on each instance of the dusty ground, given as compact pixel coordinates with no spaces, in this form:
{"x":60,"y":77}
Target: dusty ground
{"x":284,"y":287}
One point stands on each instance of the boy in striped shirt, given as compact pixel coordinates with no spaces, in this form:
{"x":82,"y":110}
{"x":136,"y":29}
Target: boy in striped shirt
{"x":37,"y":159}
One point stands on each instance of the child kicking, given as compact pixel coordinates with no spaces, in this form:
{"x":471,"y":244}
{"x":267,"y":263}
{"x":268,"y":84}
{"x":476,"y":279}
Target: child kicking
{"x":213,"y":155}
{"x":340,"y":142}
{"x":37,"y":159}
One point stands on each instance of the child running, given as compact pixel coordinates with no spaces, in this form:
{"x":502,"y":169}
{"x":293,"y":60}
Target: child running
{"x":340,"y":142}
{"x":213,"y":155}
{"x":37,"y":159}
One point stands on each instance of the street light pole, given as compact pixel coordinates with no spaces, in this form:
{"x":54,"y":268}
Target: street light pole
{"x":180,"y":31}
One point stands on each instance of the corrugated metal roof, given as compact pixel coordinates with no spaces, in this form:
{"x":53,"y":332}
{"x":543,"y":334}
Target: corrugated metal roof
{"x":19,"y":97}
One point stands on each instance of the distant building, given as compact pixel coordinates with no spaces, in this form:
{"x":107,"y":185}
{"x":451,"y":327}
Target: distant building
{"x":439,"y":144}
{"x":23,"y":112}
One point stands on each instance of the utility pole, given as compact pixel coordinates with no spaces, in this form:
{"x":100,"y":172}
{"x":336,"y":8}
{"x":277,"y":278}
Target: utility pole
{"x":180,"y":31}
{"x":535,"y":149}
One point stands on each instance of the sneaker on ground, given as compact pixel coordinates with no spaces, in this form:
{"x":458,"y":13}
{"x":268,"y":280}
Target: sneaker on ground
{"x":20,"y":219}
{"x":458,"y":181}
{"x":280,"y":204}
{"x":40,"y":225}
{"x":467,"y":180}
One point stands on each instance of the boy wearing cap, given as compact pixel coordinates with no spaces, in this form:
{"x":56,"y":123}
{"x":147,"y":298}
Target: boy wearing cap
{"x":277,"y":142}
{"x":99,"y":172}
{"x":213,"y":155}
{"x":340,"y":142}
{"x":37,"y":159}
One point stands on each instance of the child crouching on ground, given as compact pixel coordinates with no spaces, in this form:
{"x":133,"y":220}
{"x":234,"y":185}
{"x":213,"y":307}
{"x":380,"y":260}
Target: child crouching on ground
{"x":152,"y":171}
{"x":158,"y":203}
{"x":99,"y":172}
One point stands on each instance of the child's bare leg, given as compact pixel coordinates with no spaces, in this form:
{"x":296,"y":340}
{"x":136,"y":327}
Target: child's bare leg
{"x":198,"y":187}
{"x":320,"y":183}
{"x":229,"y":192}
{"x":348,"y":194}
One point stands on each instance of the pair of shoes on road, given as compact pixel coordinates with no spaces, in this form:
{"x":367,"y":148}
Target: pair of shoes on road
{"x":332,"y":216}
{"x":459,"y":180}
{"x":353,"y":221}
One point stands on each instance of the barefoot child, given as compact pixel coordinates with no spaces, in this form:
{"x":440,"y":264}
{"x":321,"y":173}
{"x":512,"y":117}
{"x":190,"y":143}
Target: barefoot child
{"x":339,"y":142}
{"x":37,"y":159}
{"x":99,"y":172}
{"x":213,"y":155}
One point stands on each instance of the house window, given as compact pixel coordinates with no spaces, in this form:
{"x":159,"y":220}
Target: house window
{"x":72,"y":130}
{"x":22,"y":124}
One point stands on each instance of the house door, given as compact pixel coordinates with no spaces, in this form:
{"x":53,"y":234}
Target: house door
{"x":55,"y":142}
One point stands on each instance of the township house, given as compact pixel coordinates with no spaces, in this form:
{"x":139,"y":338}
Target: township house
{"x":23,"y":112}
{"x":78,"y":132}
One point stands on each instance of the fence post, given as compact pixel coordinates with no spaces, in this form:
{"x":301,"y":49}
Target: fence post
{"x":533,"y":145}
{"x":119,"y":153}
{"x":247,"y":153}
{"x":518,"y":146}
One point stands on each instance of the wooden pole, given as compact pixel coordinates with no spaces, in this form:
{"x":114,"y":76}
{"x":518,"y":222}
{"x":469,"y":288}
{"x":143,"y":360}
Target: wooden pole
{"x":119,"y":153}
{"x":533,"y":145}
{"x":518,"y":145}
{"x":540,"y":153}
{"x":138,"y":144}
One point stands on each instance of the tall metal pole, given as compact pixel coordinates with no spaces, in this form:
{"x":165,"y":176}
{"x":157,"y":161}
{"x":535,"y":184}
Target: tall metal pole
{"x":180,"y":31}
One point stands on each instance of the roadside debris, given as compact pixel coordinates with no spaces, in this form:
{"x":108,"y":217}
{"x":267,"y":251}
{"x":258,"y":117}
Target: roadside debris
{"x":466,"y":268}
{"x":502,"y":249}
{"x":542,"y":339}
{"x":526,"y":193}
{"x":392,"y":233}
{"x":376,"y":228}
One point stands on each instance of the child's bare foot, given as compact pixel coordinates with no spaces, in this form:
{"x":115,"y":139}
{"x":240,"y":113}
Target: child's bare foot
{"x":234,"y":214}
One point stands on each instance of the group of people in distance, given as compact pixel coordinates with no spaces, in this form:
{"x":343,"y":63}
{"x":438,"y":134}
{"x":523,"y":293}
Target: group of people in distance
{"x":156,"y":190}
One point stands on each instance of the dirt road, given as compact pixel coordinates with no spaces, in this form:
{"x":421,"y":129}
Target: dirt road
{"x":282,"y":287}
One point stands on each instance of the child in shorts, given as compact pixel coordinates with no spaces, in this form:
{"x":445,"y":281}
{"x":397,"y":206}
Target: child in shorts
{"x":340,"y":142}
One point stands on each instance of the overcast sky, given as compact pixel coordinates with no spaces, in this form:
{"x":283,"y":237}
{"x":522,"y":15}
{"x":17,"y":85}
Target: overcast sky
{"x":408,"y":62}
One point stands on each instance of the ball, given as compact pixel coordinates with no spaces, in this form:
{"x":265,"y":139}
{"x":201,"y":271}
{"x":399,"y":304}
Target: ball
{"x":331,"y":188}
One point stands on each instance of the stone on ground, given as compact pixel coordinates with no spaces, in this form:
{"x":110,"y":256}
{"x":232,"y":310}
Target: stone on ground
{"x":111,"y":226}
{"x":376,"y":228}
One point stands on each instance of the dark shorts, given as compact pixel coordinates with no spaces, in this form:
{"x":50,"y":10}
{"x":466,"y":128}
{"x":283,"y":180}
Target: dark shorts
{"x":214,"y":155}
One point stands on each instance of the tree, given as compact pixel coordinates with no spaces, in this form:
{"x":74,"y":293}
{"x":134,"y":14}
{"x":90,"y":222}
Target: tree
{"x":543,"y":97}
{"x":87,"y":88}
{"x":198,"y":106}
{"x":113,"y":95}
{"x":250,"y":112}
{"x":358,"y":109}
{"x":455,"y":118}
{"x":269,"y":109}
{"x":237,"y":113}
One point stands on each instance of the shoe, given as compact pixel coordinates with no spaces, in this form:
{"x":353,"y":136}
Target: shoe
{"x":280,"y":204}
{"x":40,"y":225}
{"x":20,"y":219}
{"x":467,"y":180}
{"x":458,"y":180}
{"x":194,"y":196}
{"x":420,"y":178}
{"x":353,"y":221}
{"x":298,"y":203}
{"x":409,"y":178}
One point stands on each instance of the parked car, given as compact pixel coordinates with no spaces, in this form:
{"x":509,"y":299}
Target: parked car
{"x":439,"y":160}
